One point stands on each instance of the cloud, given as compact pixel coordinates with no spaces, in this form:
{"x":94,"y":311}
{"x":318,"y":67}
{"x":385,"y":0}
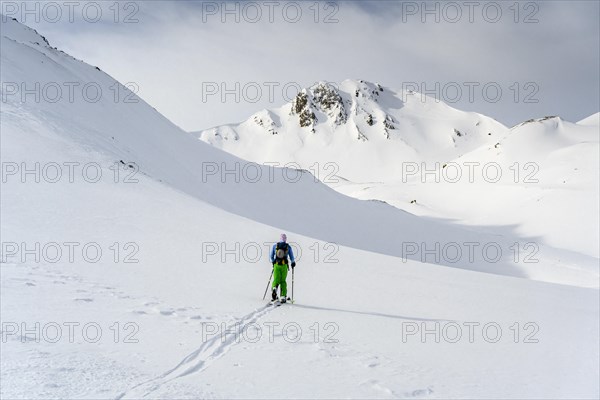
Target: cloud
{"x":177,"y":50}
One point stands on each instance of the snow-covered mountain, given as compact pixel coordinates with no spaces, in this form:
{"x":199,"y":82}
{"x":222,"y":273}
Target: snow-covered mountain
{"x":140,"y":191}
{"x":365,"y":129}
{"x":429,"y":159}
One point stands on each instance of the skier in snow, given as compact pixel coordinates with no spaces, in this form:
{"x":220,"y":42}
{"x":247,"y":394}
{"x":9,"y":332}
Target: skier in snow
{"x":279,"y":259}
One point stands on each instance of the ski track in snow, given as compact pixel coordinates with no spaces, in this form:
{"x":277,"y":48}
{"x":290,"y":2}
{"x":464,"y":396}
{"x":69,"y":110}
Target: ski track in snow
{"x":43,"y":276}
{"x":197,"y":361}
{"x":202,"y":357}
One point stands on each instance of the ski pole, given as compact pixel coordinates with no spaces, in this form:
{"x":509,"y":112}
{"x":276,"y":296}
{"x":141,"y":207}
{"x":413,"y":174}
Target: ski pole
{"x":292,"y":285}
{"x":267,"y":288}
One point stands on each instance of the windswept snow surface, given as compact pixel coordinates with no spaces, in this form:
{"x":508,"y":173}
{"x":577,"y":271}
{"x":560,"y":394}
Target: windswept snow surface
{"x":166,"y":316}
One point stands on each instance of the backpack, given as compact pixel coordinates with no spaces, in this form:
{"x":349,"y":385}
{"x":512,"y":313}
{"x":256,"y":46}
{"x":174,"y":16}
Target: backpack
{"x":281,"y":252}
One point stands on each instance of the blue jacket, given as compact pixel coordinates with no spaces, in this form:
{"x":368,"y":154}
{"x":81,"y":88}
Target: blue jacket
{"x":290,"y":253}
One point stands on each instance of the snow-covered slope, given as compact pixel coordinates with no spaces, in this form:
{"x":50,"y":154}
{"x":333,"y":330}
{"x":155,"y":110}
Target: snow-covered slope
{"x":548,"y":187}
{"x":344,"y":333}
{"x":366,"y":130}
{"x":357,"y":305}
{"x":593,"y":120}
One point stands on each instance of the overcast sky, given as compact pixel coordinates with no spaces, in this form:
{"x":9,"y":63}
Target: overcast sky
{"x":543,"y":56}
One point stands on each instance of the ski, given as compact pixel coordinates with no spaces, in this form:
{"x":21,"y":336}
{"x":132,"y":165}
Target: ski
{"x":278,"y":302}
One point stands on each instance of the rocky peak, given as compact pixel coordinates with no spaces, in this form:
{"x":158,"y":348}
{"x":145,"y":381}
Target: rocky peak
{"x":322,"y":97}
{"x":302,"y":107}
{"x":352,"y":101}
{"x":329,"y":101}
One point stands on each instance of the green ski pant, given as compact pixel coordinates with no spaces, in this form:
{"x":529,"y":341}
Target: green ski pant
{"x":279,"y":276}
